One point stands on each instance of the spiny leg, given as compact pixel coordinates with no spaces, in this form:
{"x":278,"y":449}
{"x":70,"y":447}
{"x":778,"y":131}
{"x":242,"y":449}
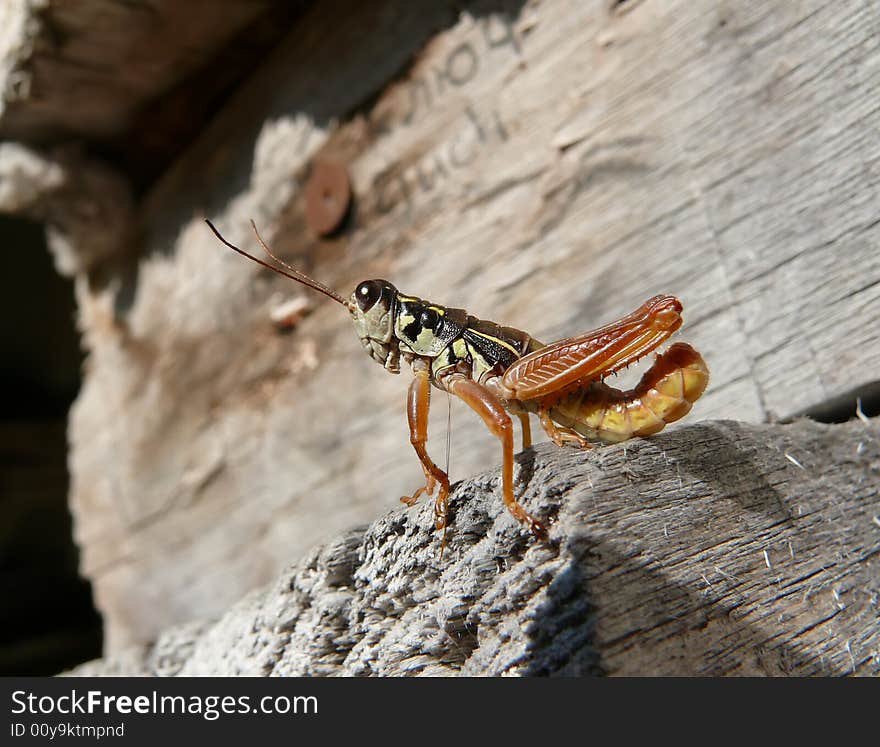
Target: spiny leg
{"x":559,"y":434}
{"x":526,"y":429}
{"x":492,"y":411}
{"x":417,"y":407}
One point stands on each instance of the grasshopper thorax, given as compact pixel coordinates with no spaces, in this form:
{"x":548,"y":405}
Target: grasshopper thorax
{"x":390,"y":323}
{"x":423,"y":328}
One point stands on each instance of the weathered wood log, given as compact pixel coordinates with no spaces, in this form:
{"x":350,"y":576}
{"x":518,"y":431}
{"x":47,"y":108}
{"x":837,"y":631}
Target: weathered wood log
{"x":131,"y":78}
{"x":85,"y":206}
{"x":547,"y":165}
{"x":717,"y":549}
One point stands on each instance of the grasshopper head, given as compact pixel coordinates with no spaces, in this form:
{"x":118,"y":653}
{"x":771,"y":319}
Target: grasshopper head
{"x":373,"y":305}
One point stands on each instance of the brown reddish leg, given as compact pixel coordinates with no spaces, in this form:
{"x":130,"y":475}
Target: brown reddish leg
{"x":526,"y":429}
{"x":417,"y":406}
{"x":492,"y":411}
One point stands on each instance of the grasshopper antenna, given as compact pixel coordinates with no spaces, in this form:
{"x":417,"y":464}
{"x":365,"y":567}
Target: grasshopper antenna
{"x":294,"y":274}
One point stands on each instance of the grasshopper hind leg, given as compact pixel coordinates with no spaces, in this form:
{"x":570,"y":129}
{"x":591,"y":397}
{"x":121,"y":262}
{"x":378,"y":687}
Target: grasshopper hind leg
{"x":492,"y":411}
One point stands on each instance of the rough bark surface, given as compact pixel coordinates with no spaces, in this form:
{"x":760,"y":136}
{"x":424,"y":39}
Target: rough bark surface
{"x":549,"y":165}
{"x":87,"y":67}
{"x":136,"y":81}
{"x":717,"y":549}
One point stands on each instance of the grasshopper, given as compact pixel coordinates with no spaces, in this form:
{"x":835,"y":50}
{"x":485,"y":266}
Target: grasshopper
{"x":501,"y":371}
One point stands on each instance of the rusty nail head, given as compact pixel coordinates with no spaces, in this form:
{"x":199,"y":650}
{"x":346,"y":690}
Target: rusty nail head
{"x":328,"y":197}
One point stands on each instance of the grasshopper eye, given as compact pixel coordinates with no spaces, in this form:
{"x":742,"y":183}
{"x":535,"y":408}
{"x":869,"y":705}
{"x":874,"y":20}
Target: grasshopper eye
{"x":367,"y":294}
{"x":429,"y":319}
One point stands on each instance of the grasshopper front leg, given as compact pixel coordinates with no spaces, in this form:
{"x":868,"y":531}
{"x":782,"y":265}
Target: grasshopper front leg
{"x":417,"y":408}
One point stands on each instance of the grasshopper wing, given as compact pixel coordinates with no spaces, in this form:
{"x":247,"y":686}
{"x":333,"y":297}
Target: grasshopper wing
{"x":573,"y":361}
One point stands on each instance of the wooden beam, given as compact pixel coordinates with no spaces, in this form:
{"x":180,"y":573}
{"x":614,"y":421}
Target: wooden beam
{"x":548,"y":166}
{"x":716,"y":549}
{"x":136,"y":81}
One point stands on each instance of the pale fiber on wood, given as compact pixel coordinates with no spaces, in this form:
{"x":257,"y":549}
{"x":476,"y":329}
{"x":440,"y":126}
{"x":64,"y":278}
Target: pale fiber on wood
{"x":85,"y":206}
{"x":719,"y":548}
{"x":19,"y":29}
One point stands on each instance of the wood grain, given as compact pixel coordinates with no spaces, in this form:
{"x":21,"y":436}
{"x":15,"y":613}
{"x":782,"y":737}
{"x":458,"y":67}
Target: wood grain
{"x":136,"y":81}
{"x":757,"y":553}
{"x":546,"y":165}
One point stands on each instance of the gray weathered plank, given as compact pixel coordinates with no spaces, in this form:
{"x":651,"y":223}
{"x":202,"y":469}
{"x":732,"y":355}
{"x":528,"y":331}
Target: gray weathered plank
{"x":87,"y":67}
{"x":756,"y":553}
{"x":546,"y":165}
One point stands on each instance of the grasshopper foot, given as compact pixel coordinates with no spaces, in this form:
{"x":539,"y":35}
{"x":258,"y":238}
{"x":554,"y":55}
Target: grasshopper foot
{"x":428,"y":487}
{"x":524,"y":517}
